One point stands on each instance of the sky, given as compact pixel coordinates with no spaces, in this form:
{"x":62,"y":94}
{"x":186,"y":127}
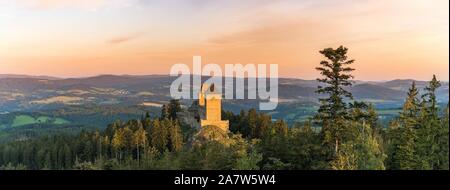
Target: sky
{"x":389,"y":39}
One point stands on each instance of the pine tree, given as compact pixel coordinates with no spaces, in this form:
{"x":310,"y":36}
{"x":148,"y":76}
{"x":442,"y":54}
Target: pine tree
{"x":410,"y":113}
{"x":159,"y":135}
{"x":333,"y":111}
{"x":430,"y":98}
{"x":173,"y":108}
{"x":346,"y":158}
{"x":403,"y":134}
{"x":128,"y":140}
{"x":140,"y":140}
{"x":406,"y":148}
{"x":443,"y":143}
{"x":252,"y":123}
{"x":372,"y":119}
{"x":165,"y":112}
{"x":357,"y":111}
{"x":429,"y":129}
{"x":264,"y":123}
{"x":369,"y":152}
{"x":176,"y":138}
{"x":306,"y":151}
{"x":280,"y":128}
{"x":67,"y":157}
{"x":364,"y":153}
{"x":118,"y":143}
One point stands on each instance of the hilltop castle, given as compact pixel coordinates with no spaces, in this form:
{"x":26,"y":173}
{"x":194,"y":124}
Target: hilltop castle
{"x":211,"y":102}
{"x":206,"y":111}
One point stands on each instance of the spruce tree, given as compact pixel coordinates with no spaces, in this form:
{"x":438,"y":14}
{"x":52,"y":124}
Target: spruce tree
{"x":411,"y":108}
{"x":173,"y":108}
{"x":370,"y":155}
{"x":363,"y":151}
{"x":159,"y":135}
{"x":176,"y":137}
{"x":252,"y":123}
{"x":118,"y":142}
{"x":443,"y":143}
{"x":429,"y":129}
{"x":165,"y":112}
{"x":403,"y":134}
{"x":333,"y":111}
{"x":430,"y":98}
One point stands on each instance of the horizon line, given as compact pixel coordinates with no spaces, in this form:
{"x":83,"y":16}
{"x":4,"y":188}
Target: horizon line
{"x":156,"y":74}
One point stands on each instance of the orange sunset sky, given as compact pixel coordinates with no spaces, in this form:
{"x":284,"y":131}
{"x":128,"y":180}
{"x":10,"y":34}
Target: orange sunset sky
{"x":389,"y":39}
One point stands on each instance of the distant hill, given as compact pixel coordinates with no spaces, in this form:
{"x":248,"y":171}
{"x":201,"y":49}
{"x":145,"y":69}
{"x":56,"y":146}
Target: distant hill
{"x":21,"y":92}
{"x":27,"y":76}
{"x":403,"y":84}
{"x":94,"y":102}
{"x":372,"y":91}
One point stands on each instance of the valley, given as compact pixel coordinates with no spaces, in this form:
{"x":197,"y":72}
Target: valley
{"x":33,"y":103}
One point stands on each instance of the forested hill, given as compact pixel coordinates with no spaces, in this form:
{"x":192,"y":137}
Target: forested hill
{"x":30,"y":95}
{"x":254,"y":143}
{"x":339,"y":131}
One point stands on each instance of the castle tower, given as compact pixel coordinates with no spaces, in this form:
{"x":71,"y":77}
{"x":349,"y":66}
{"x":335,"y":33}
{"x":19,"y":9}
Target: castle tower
{"x":212,"y":101}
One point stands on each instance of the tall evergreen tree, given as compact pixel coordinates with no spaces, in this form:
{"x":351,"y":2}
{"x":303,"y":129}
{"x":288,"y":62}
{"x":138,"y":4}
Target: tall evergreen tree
{"x":403,"y":133}
{"x":118,"y":143}
{"x":140,"y":140}
{"x":333,"y":111}
{"x":176,"y":138}
{"x":430,"y":98}
{"x":430,"y":127}
{"x":411,"y":108}
{"x":165,"y":112}
{"x":173,"y":108}
{"x":252,"y":122}
{"x":159,"y":136}
{"x":443,"y":143}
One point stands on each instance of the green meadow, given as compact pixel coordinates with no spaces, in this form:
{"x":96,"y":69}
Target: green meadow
{"x":22,"y":120}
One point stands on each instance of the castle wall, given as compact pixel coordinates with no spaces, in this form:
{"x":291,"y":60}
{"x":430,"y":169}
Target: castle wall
{"x":224,"y":125}
{"x":213,"y":107}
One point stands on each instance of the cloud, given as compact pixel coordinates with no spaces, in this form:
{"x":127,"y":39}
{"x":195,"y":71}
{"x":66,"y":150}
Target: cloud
{"x":123,"y":39}
{"x":78,"y":4}
{"x":362,"y":22}
{"x":305,"y":31}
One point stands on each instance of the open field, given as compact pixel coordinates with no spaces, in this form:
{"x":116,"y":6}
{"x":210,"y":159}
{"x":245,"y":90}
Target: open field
{"x":23,"y":120}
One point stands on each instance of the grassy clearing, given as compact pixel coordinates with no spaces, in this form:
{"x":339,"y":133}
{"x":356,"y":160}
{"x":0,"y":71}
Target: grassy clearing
{"x":22,"y":120}
{"x":60,"y":121}
{"x":43,"y":119}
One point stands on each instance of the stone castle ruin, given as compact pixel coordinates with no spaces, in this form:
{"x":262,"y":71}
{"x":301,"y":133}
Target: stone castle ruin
{"x":206,"y":111}
{"x":211,"y":102}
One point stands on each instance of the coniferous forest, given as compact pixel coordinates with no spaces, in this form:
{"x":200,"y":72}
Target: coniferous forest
{"x":344,"y":134}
